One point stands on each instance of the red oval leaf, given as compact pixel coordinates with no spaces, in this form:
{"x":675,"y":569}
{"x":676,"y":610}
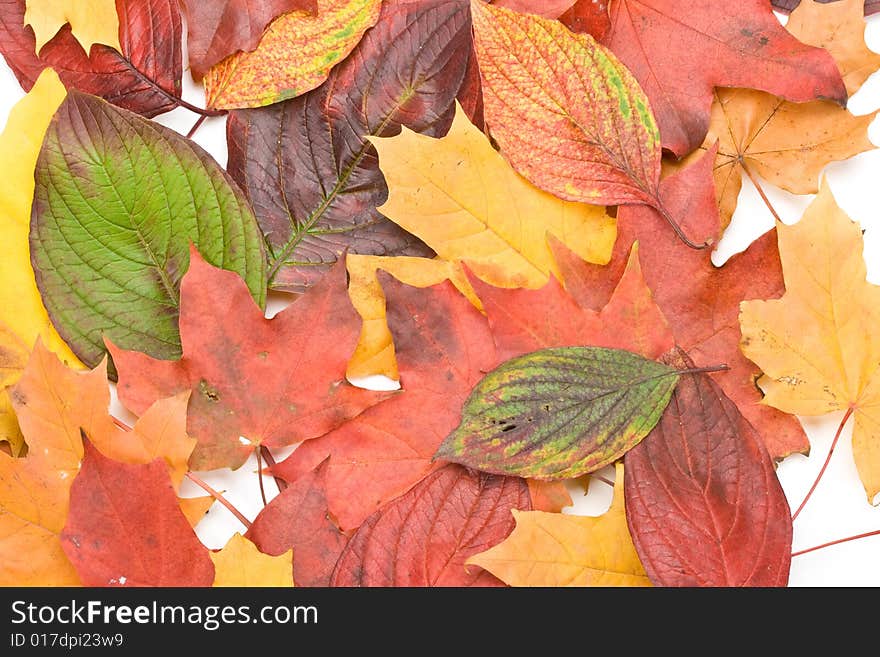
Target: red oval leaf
{"x":424,"y":537}
{"x":703,"y":503}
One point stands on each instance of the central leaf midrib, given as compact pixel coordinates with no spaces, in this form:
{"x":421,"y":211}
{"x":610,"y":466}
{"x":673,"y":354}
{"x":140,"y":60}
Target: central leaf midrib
{"x":300,"y":230}
{"x":160,"y":269}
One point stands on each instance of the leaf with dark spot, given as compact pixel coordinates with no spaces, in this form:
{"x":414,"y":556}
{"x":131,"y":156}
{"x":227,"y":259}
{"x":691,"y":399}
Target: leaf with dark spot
{"x":559,"y":413}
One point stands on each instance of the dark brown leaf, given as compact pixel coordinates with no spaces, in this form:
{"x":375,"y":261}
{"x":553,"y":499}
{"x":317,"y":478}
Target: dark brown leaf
{"x":305,"y":165}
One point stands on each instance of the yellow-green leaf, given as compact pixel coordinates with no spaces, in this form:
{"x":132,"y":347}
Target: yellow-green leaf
{"x":295,"y":55}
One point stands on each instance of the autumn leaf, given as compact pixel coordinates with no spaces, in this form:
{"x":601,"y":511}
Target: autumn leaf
{"x":703,"y":503}
{"x":116,"y":272}
{"x":159,"y":433}
{"x":699,"y":300}
{"x":425,"y":537}
{"x":23,"y":317}
{"x":679,"y":51}
{"x":34,"y":491}
{"x":555,"y":549}
{"x":91,"y":21}
{"x":240,"y":563}
{"x":550,"y":496}
{"x":459,"y":196}
{"x":818,"y":345}
{"x":839,"y":28}
{"x":603,"y":150}
{"x":298,"y":520}
{"x":788,"y":144}
{"x":53,"y":404}
{"x":629,"y":318}
{"x":143,"y":75}
{"x":375,"y":349}
{"x":254,"y":381}
{"x":443,"y":347}
{"x":545,"y":8}
{"x":219,"y":28}
{"x":305,"y":164}
{"x":125,"y":527}
{"x":275,"y":71}
{"x":559,"y":413}
{"x":13,"y":359}
{"x":590,"y":16}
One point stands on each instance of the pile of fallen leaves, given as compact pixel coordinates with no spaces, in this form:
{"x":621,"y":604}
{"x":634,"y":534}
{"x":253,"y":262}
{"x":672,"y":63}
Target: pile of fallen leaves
{"x":509,"y":208}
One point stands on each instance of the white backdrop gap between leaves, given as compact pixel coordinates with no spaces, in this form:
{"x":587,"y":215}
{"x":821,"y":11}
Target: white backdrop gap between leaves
{"x":836,"y":510}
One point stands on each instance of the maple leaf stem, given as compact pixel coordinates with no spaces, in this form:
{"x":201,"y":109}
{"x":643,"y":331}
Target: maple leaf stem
{"x":846,"y":417}
{"x":876,"y":532}
{"x":760,"y":189}
{"x":270,"y":462}
{"x":196,"y":126}
{"x":604,"y":480}
{"x":259,"y":453}
{"x":219,"y":497}
{"x":658,"y":205}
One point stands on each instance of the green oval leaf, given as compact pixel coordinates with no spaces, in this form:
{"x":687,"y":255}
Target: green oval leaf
{"x":118,"y":200}
{"x":559,"y":413}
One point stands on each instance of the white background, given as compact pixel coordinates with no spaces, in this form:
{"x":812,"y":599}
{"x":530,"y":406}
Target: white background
{"x":837,"y":509}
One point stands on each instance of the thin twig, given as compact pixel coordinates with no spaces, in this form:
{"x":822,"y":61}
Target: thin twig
{"x":260,"y":476}
{"x":217,"y":496}
{"x":824,"y":465}
{"x":604,"y":480}
{"x":270,"y":462}
{"x":876,"y":532}
{"x":658,"y":205}
{"x":760,"y":189}
{"x":196,"y":126}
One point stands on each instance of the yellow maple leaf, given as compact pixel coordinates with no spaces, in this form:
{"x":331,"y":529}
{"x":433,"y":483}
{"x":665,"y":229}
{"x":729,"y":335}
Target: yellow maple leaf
{"x":819,"y":345}
{"x":375,"y":350}
{"x":240,"y":563}
{"x":555,"y":549}
{"x":461,"y":197}
{"x":839,"y":27}
{"x":91,"y":21}
{"x":23,"y":317}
